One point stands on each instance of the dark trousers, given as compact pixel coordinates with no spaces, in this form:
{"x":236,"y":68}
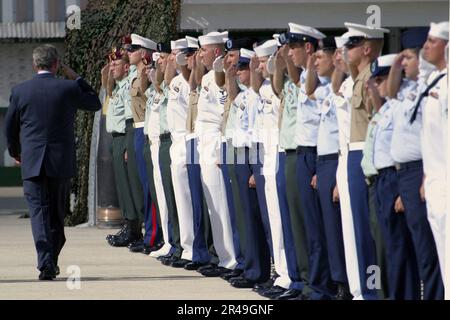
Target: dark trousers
{"x":257,"y":254}
{"x":136,"y":190}
{"x":227,"y":168}
{"x":319,"y":272}
{"x":359,"y":201}
{"x":139,"y":140}
{"x":378,"y":237}
{"x":125,"y":198}
{"x":288,"y":237}
{"x":199,"y":208}
{"x":152,"y":222}
{"x":402,"y":273}
{"x":257,"y":161}
{"x":331,"y":214}
{"x":297,"y":222}
{"x":409,"y":181}
{"x":47,"y":200}
{"x":166,"y":175}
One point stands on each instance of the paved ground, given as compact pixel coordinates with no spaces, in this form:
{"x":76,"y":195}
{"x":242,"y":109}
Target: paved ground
{"x":12,"y":201}
{"x":106,"y":272}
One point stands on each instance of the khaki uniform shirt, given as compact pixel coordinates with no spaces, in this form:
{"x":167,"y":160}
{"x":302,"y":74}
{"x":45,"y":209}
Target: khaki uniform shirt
{"x":360,"y":118}
{"x":138,"y":100}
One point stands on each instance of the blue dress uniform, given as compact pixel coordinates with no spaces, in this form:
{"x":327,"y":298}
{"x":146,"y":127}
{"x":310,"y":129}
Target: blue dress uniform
{"x":327,"y":162}
{"x":406,"y":151}
{"x":308,"y":120}
{"x":257,"y":254}
{"x":403,"y":277}
{"x":357,"y":185}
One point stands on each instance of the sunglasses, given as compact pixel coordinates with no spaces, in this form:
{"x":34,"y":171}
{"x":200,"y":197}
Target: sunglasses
{"x":133,"y":48}
{"x":355,"y":42}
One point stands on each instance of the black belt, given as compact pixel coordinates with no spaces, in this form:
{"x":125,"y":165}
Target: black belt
{"x":307,"y":150}
{"x":371,"y":180}
{"x":116,"y":134}
{"x":384,"y":170}
{"x":129,"y":122}
{"x":327,"y":157}
{"x":289,"y":151}
{"x":409,"y":165}
{"x":165,"y":136}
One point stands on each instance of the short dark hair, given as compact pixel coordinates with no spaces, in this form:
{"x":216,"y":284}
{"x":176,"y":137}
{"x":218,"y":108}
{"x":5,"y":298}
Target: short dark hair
{"x":45,"y":56}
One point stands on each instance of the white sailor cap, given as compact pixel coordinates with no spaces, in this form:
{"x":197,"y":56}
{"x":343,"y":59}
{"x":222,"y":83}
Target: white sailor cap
{"x":137,"y":40}
{"x":305,"y":31}
{"x":192,"y":42}
{"x":382,"y":65}
{"x":268,"y":48}
{"x":276,"y":36}
{"x":368,"y":32}
{"x":179,"y":44}
{"x":245,"y":57}
{"x":213,"y":38}
{"x":439,"y":30}
{"x":342,"y":40}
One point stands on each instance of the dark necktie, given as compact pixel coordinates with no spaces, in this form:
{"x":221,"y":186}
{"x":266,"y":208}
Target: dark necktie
{"x":423,"y":95}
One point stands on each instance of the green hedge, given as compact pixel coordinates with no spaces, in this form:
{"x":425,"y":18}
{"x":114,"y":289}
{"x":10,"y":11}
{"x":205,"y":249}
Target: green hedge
{"x":103,"y":23}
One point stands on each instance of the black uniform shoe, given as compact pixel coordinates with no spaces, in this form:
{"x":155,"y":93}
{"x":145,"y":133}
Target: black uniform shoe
{"x":194,"y":266}
{"x":146,"y":250}
{"x":259,"y":287}
{"x":136,"y":246}
{"x":181,"y":263}
{"x":207,"y":267}
{"x":289,"y":294}
{"x":161,"y":258}
{"x":233,"y":274}
{"x":169,"y":261}
{"x":217,"y":272}
{"x":273,"y":293}
{"x":57,"y":271}
{"x":242,"y":283}
{"x":343,"y":293}
{"x":48,"y":273}
{"x":124,"y":241}
{"x":123,"y":230}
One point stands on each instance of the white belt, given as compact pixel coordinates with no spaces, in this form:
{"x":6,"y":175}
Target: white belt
{"x":356,"y":146}
{"x":138,"y":125}
{"x":191,"y":136}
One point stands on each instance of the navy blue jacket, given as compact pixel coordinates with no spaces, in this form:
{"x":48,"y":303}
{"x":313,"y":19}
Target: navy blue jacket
{"x":40,"y":123}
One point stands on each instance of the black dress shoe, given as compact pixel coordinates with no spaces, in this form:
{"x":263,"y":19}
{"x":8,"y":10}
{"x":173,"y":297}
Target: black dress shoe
{"x":273,"y":293}
{"x":259,"y":287}
{"x":123,"y":230}
{"x":146,"y":250}
{"x":217,"y":272}
{"x":161,"y":258}
{"x":136,"y":246}
{"x":242,"y":283}
{"x":207,"y":267}
{"x":343,"y":293}
{"x":57,"y":271}
{"x":233,"y":274}
{"x":181,"y":263}
{"x":48,"y":273}
{"x":194,"y":266}
{"x":169,"y":261}
{"x":289,"y":294}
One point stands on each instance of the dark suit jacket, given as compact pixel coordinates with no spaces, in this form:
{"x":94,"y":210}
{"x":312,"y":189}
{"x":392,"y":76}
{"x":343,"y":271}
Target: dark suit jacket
{"x":40,"y":123}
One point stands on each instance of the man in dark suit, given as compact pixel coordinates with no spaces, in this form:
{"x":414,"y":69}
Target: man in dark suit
{"x":40,"y":135}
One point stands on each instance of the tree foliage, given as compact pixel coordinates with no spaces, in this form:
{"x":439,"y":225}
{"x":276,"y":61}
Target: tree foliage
{"x":103,"y":23}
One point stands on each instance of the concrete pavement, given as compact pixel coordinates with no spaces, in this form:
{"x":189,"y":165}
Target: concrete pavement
{"x":106,"y":272}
